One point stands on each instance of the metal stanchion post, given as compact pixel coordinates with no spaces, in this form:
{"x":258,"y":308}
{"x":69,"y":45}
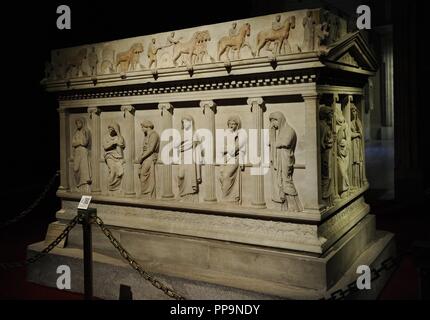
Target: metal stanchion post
{"x":88,"y":217}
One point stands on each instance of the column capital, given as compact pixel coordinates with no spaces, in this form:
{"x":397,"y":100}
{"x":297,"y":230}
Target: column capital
{"x":93,"y":111}
{"x":207,"y":104}
{"x":127,"y":108}
{"x":168,"y":107}
{"x":254,"y":100}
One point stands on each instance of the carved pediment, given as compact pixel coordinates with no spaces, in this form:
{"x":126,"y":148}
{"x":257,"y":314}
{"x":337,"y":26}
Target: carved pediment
{"x":351,"y":52}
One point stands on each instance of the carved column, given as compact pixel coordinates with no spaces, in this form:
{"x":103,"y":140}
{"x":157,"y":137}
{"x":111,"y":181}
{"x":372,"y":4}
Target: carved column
{"x":257,"y":109}
{"x":209,"y":110}
{"x":64,"y":149}
{"x":166,"y":170}
{"x":334,"y":168}
{"x":95,"y":148}
{"x":313,"y":199}
{"x":129,"y":150}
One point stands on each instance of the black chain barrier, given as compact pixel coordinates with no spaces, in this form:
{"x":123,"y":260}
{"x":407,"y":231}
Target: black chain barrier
{"x":386,"y":265}
{"x":44,"y":252}
{"x":31,"y":207}
{"x":135,"y":265}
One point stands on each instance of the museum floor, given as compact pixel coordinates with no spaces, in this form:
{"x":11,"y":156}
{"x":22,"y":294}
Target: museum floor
{"x":408,"y":222}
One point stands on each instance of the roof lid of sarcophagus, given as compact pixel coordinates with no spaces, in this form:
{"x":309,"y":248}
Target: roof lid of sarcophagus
{"x":211,"y":52}
{"x":351,"y":53}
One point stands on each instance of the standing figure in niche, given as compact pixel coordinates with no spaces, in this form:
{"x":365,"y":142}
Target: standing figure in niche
{"x":81,"y":142}
{"x":189,"y":169}
{"x":342,"y":132}
{"x":356,"y":148}
{"x":283,"y":141}
{"x":326,"y":136}
{"x":114,"y":146}
{"x":234,"y":152}
{"x":147,"y":159}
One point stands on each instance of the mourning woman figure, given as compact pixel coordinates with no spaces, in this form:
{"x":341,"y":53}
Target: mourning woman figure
{"x":114,"y":145}
{"x":230,"y":173}
{"x":81,"y":141}
{"x":283,"y":141}
{"x":189,"y":169}
{"x":148,"y":159}
{"x":356,"y":148}
{"x":326,"y":136}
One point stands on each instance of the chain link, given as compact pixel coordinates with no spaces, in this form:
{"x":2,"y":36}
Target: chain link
{"x":351,"y":288}
{"x":31,"y":207}
{"x":39,"y":255}
{"x":135,"y":265}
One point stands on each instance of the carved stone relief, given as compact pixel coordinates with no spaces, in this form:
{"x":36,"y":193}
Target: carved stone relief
{"x":278,"y":35}
{"x":231,"y":172}
{"x":195,"y":49}
{"x":327,"y":170}
{"x":129,"y":60}
{"x":81,"y":142}
{"x":283,"y":140}
{"x":356,"y":148}
{"x":234,"y":42}
{"x":342,"y":135}
{"x":114,"y":144}
{"x":147,"y":160}
{"x":189,"y":169}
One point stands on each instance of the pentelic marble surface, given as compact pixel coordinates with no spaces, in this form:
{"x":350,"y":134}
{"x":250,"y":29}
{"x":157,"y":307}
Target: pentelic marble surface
{"x":244,"y":133}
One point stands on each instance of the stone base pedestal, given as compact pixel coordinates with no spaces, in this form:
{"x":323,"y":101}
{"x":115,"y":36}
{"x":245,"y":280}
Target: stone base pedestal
{"x":211,"y":269}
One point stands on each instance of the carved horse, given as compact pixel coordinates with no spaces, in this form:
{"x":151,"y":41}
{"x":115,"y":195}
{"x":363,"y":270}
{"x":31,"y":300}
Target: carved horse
{"x":237,"y":42}
{"x":75,"y":62}
{"x":196,"y":46}
{"x":130,"y":58}
{"x":277,"y":36}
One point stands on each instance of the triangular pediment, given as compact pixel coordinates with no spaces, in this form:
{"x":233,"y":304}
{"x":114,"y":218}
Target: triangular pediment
{"x":351,"y":53}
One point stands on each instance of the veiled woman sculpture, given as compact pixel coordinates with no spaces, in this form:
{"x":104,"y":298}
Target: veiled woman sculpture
{"x":230,"y":173}
{"x":147,"y":159}
{"x":356,"y":148}
{"x":342,"y":153}
{"x":81,"y":142}
{"x":283,"y":141}
{"x":114,"y":145}
{"x":189,"y":169}
{"x":326,"y":136}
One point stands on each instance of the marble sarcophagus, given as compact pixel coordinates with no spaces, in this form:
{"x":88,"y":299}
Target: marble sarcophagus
{"x":228,"y":158}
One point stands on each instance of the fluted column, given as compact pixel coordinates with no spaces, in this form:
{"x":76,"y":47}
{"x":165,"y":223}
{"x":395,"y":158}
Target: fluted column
{"x":312,"y":200}
{"x":64,"y":148}
{"x":257,"y":109}
{"x":209,"y":110}
{"x":95,"y":148}
{"x":128,"y":132}
{"x":166,"y":110}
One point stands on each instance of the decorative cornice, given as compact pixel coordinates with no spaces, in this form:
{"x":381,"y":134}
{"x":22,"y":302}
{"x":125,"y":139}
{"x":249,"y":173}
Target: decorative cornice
{"x":206,"y":85}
